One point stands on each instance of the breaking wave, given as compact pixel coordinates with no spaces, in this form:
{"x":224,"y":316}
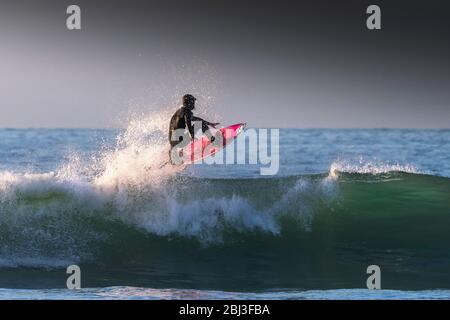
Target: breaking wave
{"x":125,"y":209}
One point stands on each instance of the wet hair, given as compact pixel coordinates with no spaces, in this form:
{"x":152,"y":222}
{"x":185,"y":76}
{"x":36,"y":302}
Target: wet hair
{"x":189,"y":101}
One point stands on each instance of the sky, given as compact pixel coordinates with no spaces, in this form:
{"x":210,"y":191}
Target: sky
{"x":268,"y":63}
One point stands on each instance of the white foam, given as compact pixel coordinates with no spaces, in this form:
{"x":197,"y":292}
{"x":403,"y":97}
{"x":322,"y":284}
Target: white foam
{"x":126,"y":183}
{"x":364,"y":166}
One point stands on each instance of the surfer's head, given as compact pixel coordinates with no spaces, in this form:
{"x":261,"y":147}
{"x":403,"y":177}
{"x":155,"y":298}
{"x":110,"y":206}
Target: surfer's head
{"x":189,"y":101}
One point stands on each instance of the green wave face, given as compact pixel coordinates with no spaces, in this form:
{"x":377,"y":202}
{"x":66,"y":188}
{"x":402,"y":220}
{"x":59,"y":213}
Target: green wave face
{"x":242,"y":234}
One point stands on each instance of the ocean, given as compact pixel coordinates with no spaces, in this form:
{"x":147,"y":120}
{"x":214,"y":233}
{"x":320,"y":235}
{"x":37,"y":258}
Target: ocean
{"x":342,"y":200}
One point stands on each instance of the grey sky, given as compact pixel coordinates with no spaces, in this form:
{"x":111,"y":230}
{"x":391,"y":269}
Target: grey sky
{"x":279,"y":64}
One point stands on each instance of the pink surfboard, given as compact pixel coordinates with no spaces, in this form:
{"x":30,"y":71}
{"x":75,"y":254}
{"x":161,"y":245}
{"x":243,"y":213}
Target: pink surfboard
{"x":201,"y":148}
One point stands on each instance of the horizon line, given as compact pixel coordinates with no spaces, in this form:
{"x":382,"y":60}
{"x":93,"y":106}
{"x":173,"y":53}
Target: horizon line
{"x":262,"y":127}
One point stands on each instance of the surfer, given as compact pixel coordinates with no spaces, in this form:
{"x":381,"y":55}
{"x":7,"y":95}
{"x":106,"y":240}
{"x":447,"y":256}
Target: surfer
{"x":184,"y":118}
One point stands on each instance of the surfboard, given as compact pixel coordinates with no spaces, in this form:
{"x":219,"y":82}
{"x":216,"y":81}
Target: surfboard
{"x":203,"y":147}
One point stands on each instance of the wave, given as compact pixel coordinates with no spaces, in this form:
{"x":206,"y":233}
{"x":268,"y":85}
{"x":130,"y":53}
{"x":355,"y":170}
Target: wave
{"x":307,"y":231}
{"x":372,"y":167}
{"x":153,"y":225}
{"x":133,"y":293}
{"x":46,"y":217}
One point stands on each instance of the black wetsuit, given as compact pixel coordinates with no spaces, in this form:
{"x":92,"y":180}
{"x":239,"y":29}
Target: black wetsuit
{"x":183,"y":118}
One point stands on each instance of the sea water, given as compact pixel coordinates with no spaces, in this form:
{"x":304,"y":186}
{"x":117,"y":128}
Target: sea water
{"x":342,"y":200}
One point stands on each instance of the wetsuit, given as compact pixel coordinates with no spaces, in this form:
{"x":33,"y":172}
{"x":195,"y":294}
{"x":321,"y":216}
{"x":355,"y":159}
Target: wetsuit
{"x":183,"y":118}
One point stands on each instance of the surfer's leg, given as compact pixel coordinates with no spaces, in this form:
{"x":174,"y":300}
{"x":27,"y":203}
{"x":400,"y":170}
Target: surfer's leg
{"x":175,"y":147}
{"x":172,"y":145}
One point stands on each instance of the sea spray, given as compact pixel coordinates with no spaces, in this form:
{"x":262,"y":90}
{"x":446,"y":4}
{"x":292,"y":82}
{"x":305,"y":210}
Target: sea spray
{"x":122,"y":194}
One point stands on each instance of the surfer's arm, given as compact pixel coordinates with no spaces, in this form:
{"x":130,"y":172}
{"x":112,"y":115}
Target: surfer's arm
{"x":189,"y":118}
{"x":212,"y":124}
